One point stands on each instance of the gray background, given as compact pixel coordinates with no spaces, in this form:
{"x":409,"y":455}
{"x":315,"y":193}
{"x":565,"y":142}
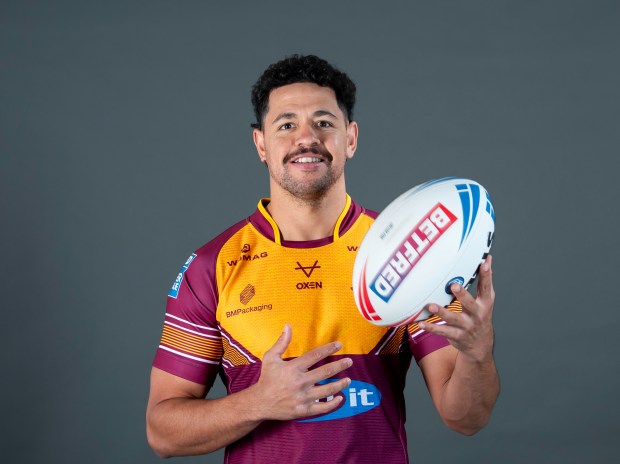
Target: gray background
{"x":125,"y":144}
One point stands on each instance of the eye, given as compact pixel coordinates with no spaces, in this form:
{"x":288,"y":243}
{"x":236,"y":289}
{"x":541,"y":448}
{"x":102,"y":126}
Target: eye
{"x":324,"y":124}
{"x":286,"y":126}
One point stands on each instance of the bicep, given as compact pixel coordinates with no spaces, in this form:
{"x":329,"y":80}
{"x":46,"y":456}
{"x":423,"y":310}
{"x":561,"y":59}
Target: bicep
{"x":165,"y":386}
{"x":437,"y":368}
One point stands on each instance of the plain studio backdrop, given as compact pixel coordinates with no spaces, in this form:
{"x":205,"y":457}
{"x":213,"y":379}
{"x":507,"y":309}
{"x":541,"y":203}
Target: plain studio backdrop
{"x":125,"y":145}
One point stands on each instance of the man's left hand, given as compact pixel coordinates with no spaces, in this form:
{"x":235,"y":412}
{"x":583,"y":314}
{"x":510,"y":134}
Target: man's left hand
{"x":471,"y":330}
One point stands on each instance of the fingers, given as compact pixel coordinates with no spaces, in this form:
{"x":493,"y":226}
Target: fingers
{"x":466,"y":299}
{"x":310,"y":358}
{"x":306,"y":360}
{"x":290,"y":389}
{"x":449,"y":321}
{"x":445,"y":314}
{"x":282,"y":343}
{"x":329,"y":370}
{"x":330,"y":389}
{"x":485,"y":281}
{"x":323,"y":407}
{"x":485,"y":291}
{"x":469,"y":331}
{"x":443,"y":330}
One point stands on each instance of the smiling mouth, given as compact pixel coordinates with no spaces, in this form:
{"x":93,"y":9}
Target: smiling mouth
{"x":308,"y":159}
{"x":308,"y":155}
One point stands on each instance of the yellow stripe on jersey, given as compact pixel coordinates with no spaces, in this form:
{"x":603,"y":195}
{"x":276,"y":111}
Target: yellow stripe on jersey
{"x":207,"y":348}
{"x":454,"y":306}
{"x":341,"y":218}
{"x":233,"y":355}
{"x":393,"y":345}
{"x":276,"y":231}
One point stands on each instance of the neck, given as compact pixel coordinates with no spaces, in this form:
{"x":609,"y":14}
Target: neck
{"x":301,"y":220}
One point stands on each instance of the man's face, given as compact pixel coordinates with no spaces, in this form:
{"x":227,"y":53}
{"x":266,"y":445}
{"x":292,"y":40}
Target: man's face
{"x":305,"y":140}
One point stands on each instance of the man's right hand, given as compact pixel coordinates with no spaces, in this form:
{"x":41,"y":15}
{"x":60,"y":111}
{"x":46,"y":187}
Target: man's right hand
{"x":288,"y":389}
{"x":181,"y":422}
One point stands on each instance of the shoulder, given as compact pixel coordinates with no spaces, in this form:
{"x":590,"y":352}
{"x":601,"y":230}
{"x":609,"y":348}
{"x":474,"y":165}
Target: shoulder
{"x":199,"y":268}
{"x":210,"y":250}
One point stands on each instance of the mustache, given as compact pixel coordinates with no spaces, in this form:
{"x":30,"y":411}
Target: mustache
{"x":314,"y":150}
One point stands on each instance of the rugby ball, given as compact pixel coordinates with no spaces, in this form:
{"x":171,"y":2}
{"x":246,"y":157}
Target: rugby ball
{"x":430,"y":237}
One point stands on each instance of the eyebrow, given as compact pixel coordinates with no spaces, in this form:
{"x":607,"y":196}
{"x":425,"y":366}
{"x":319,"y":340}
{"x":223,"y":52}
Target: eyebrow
{"x":316,"y":114}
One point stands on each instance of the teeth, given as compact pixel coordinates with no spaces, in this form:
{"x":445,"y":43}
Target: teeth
{"x":308,"y":160}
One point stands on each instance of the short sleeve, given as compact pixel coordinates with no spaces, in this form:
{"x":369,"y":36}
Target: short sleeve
{"x":191,"y":343}
{"x":423,"y":342}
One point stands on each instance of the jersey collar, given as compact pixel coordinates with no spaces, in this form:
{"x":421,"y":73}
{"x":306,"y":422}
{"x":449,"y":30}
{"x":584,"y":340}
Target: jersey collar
{"x":266,"y":225}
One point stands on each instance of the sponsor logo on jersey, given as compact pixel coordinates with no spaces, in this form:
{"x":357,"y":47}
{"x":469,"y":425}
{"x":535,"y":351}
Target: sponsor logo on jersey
{"x":244,"y":258}
{"x":246,"y":294}
{"x":359,"y":397}
{"x":174,"y":291}
{"x":246,"y":248}
{"x":308,"y":270}
{"x":417,"y":242}
{"x":249,"y":309}
{"x":308,"y":285}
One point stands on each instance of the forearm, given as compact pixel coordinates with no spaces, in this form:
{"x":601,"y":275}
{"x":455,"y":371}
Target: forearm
{"x":469,"y":395}
{"x":189,"y":426}
{"x":180,"y":422}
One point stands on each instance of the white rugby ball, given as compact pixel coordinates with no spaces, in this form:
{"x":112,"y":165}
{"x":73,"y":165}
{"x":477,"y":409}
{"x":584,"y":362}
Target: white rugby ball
{"x":430,"y":237}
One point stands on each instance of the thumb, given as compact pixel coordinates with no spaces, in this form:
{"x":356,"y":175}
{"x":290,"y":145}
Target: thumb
{"x":282,"y":343}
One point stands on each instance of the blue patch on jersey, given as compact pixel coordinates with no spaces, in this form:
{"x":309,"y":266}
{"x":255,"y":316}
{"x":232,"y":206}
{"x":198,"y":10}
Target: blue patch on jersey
{"x":359,"y":397}
{"x":174,"y":291}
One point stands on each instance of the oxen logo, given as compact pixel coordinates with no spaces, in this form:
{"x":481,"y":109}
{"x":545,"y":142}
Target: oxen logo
{"x":308,"y":270}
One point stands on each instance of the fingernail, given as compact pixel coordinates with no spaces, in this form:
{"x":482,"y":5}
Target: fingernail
{"x":433,"y":308}
{"x":337,"y":346}
{"x":349,"y":362}
{"x":422,"y":325}
{"x":456,"y":288}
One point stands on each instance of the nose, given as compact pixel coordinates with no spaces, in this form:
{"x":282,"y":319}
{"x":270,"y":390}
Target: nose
{"x":307,"y":135}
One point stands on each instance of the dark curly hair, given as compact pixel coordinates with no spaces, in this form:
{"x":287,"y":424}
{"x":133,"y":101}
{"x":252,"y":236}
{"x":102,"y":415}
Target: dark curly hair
{"x":302,"y":68}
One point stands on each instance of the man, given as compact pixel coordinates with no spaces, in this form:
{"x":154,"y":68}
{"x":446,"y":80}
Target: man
{"x":268,"y":304}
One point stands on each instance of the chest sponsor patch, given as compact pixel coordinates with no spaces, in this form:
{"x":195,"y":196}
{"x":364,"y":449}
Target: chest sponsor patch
{"x":359,"y":397}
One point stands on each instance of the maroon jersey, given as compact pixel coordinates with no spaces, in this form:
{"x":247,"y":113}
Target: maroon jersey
{"x":228,"y":306}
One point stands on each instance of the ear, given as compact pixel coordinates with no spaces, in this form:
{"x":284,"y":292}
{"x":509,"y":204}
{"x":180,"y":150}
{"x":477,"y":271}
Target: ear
{"x":351,"y":139}
{"x":259,"y":141}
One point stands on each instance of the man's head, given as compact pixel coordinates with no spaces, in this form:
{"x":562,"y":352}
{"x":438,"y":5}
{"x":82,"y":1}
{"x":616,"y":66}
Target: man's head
{"x":305,"y":134}
{"x":300,"y":68}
